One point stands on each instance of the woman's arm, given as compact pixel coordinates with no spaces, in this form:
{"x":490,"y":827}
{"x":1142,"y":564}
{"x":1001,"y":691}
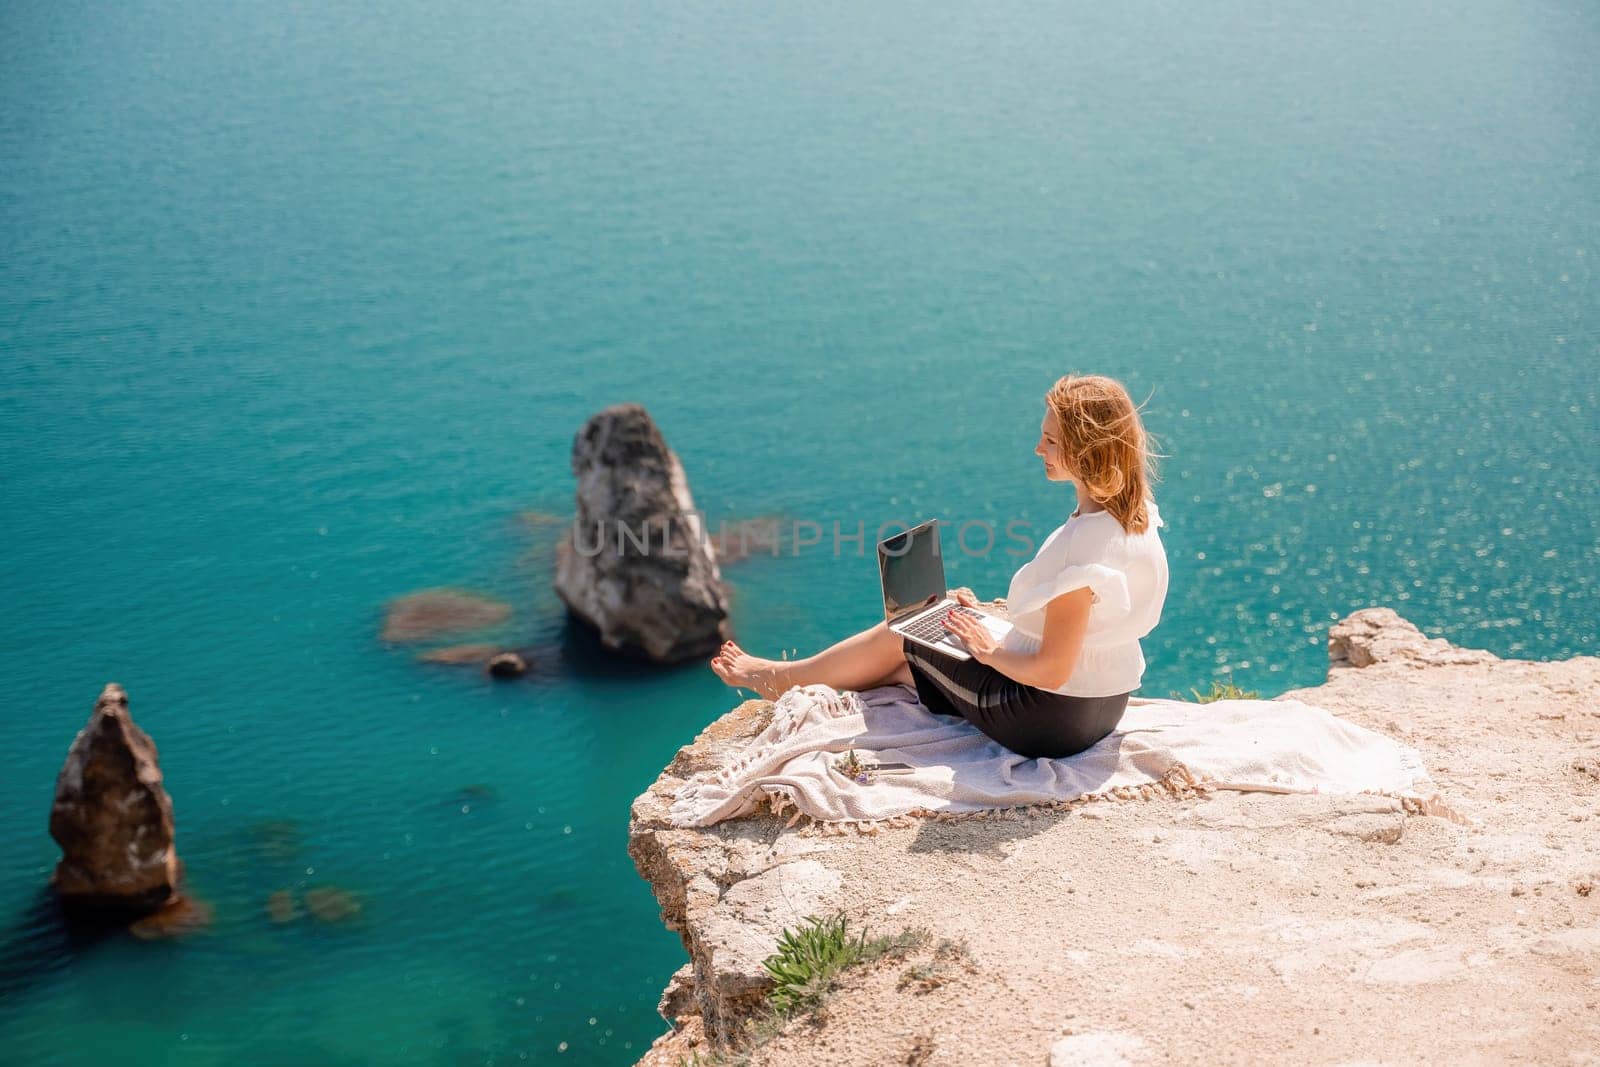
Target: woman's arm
{"x":1066,"y":619}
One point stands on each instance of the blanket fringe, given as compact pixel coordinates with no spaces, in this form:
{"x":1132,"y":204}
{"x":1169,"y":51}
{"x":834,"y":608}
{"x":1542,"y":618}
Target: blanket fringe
{"x":1177,"y":783}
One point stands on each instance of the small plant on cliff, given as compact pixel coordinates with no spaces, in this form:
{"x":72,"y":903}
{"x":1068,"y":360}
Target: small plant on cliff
{"x":1223,"y":691}
{"x":808,"y":958}
{"x":808,"y":961}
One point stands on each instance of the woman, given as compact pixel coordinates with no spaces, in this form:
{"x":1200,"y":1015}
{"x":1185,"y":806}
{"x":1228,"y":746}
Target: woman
{"x":1060,"y":679}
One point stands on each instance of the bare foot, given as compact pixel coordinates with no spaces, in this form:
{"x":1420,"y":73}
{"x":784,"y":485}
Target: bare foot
{"x":738,"y":668}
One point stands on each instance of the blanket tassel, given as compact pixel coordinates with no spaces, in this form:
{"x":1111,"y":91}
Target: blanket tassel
{"x":1178,"y":782}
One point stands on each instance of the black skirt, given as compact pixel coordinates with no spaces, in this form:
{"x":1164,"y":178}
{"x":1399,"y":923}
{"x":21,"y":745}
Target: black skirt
{"x":1029,"y":721}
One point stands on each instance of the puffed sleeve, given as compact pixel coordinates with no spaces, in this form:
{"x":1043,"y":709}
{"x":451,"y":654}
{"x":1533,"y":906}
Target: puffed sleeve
{"x":1110,"y":586}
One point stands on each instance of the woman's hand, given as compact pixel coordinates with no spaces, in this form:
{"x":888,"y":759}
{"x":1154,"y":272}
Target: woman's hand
{"x":965,"y":597}
{"x":974,"y":635}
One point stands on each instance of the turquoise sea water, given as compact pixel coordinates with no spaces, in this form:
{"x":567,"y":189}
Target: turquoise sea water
{"x":301,"y":305}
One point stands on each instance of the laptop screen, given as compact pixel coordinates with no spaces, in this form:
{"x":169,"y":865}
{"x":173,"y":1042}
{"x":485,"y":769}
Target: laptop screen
{"x":912,"y":570}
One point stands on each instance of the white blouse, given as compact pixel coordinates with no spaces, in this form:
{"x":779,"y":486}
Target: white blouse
{"x":1128,"y":574}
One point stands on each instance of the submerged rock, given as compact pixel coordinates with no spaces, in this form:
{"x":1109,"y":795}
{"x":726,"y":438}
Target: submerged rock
{"x":471,"y":797}
{"x":332,"y":905}
{"x":496,"y":660}
{"x":276,"y":839}
{"x":635,"y":564}
{"x":460,"y":655}
{"x":327,"y":904}
{"x":281,"y":907}
{"x":113,"y":819}
{"x":430,"y":612}
{"x":182,"y":915}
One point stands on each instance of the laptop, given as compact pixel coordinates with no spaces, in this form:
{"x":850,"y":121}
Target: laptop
{"x":914,"y":597}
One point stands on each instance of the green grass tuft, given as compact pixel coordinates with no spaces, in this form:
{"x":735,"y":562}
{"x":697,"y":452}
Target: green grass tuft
{"x":809,"y":960}
{"x":1222,"y":691}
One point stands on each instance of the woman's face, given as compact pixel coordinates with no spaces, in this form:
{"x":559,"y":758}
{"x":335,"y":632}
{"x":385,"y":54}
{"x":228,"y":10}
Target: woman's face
{"x":1049,"y":447}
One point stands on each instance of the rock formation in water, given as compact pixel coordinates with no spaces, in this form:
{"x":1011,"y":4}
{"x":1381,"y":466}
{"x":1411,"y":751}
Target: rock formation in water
{"x":1236,"y":927}
{"x":113,"y":819}
{"x":636,"y":565}
{"x":506,"y":665}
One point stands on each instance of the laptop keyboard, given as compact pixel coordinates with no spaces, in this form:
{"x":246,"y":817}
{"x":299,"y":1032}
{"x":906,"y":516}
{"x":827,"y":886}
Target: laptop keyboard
{"x":931,"y":626}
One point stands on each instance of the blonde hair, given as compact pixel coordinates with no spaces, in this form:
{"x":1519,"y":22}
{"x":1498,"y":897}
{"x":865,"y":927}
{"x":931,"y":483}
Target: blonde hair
{"x":1105,"y":445}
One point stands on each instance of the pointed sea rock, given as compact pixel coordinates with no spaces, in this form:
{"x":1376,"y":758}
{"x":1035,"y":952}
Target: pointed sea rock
{"x":113,"y":819}
{"x":636,"y":565}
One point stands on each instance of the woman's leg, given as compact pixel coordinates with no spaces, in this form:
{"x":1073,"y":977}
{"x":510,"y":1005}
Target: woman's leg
{"x":901,"y":675}
{"x":858,"y":662}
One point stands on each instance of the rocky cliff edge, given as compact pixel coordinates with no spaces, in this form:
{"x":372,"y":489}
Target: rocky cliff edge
{"x":1232,"y":927}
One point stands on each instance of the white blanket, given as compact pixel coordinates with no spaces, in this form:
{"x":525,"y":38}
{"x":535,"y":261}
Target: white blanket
{"x":1281,"y":746}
